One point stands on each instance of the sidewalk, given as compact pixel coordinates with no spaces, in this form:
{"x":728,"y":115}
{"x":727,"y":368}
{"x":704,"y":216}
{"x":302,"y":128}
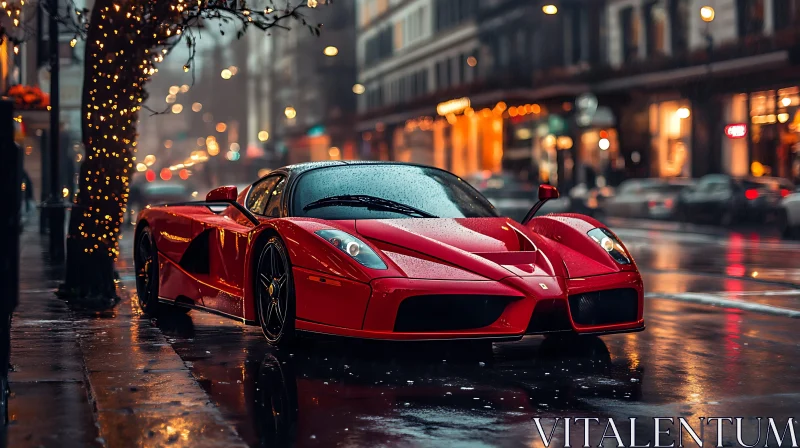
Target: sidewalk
{"x":99,"y":380}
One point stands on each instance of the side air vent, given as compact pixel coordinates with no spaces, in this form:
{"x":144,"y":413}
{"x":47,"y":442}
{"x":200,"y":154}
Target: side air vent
{"x":434,"y":313}
{"x":195,"y":259}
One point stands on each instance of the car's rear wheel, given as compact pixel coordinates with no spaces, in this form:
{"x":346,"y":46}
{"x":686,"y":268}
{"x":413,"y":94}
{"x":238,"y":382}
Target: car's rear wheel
{"x":275,"y":297}
{"x":145,"y":262}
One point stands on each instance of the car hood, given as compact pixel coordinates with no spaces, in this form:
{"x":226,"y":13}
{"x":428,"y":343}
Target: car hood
{"x":472,"y":249}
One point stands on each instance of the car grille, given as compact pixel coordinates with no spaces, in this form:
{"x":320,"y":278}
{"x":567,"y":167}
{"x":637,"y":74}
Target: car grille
{"x":549,"y":315}
{"x":437,"y":313}
{"x":612,"y":306}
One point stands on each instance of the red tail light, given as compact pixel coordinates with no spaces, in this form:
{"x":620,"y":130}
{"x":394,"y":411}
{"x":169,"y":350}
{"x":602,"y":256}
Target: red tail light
{"x":668,"y":203}
{"x":651,"y":204}
{"x":751,"y":194}
{"x":784,"y":192}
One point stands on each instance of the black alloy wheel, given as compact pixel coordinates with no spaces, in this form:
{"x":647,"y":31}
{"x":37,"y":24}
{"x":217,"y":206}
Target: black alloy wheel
{"x":275,"y":293}
{"x":146,"y":266}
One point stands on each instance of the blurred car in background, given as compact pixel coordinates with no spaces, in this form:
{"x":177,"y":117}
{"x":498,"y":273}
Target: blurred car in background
{"x":513,"y":198}
{"x":590,"y":201}
{"x":510,"y":196}
{"x":143,"y":194}
{"x":645,"y":198}
{"x":726,"y":200}
{"x":789,"y":218}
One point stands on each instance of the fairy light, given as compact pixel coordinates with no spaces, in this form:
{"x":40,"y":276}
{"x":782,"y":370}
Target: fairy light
{"x":125,"y":42}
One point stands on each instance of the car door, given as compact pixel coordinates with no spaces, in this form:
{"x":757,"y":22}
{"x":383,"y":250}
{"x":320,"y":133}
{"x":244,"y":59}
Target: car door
{"x":228,"y":245}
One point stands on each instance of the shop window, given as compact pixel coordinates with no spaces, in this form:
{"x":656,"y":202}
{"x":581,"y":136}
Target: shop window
{"x":775,"y":122}
{"x":670,"y":130}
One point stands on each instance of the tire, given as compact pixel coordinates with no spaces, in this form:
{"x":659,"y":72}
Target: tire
{"x":145,"y":263}
{"x":275,"y":294}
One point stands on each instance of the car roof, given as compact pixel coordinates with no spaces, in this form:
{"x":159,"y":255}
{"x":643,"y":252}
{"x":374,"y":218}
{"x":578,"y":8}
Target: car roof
{"x":300,"y":168}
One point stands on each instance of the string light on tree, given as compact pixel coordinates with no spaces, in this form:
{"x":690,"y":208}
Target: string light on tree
{"x":125,"y":42}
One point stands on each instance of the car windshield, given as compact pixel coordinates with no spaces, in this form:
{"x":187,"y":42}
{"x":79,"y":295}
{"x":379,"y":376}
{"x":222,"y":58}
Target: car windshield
{"x":431,"y":190}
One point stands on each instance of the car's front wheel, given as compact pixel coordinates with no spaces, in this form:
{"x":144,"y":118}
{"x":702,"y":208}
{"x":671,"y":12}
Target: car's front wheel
{"x":275,"y":298}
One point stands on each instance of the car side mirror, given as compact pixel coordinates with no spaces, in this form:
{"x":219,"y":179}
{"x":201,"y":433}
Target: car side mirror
{"x":222,"y":194}
{"x":547,"y":192}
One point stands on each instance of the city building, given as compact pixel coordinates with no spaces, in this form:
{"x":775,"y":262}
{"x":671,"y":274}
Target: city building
{"x":312,"y":79}
{"x":466,"y":85}
{"x":705,"y":86}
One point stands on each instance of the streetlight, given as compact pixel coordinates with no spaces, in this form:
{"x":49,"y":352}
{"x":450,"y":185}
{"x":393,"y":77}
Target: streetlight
{"x":331,"y":51}
{"x":226,"y":74}
{"x":707,"y":13}
{"x":290,"y":112}
{"x":550,"y":9}
{"x":358,"y":89}
{"x":263,"y":136}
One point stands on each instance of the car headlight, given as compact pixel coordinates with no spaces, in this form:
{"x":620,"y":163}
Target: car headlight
{"x":610,"y":244}
{"x":353,"y":247}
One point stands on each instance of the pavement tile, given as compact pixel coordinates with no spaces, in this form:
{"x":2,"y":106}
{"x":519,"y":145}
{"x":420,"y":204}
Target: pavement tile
{"x":50,"y":414}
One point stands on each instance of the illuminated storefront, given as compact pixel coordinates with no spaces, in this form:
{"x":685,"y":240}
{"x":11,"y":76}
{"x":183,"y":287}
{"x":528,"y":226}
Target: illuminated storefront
{"x":460,"y":139}
{"x":774,"y":132}
{"x":671,"y":139}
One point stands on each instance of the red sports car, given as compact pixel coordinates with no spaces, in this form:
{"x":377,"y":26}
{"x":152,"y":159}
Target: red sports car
{"x":384,"y":251}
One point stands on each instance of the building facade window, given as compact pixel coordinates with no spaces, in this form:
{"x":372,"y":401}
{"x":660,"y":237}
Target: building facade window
{"x":450,"y":13}
{"x":750,"y":14}
{"x":630,"y":34}
{"x":379,"y":46}
{"x":679,"y":25}
{"x":786,"y":14}
{"x":655,"y":27}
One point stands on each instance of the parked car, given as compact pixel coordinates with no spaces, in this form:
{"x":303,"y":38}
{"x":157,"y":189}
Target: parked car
{"x":725,"y":200}
{"x":384,"y":251}
{"x":645,"y":198}
{"x":789,"y":221}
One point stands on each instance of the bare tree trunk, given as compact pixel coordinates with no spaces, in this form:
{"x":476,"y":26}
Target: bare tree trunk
{"x":112,"y":96}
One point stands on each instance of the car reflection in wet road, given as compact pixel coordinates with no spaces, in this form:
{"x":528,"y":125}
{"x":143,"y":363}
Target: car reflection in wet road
{"x":693,"y":361}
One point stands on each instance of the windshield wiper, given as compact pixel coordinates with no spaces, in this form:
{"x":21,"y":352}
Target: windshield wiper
{"x":370,"y":202}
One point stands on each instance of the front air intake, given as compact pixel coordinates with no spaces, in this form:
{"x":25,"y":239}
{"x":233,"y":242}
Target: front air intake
{"x":611,"y":306}
{"x":449,"y":312}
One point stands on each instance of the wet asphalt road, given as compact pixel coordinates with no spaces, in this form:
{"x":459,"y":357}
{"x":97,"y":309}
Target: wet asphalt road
{"x":694,"y":360}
